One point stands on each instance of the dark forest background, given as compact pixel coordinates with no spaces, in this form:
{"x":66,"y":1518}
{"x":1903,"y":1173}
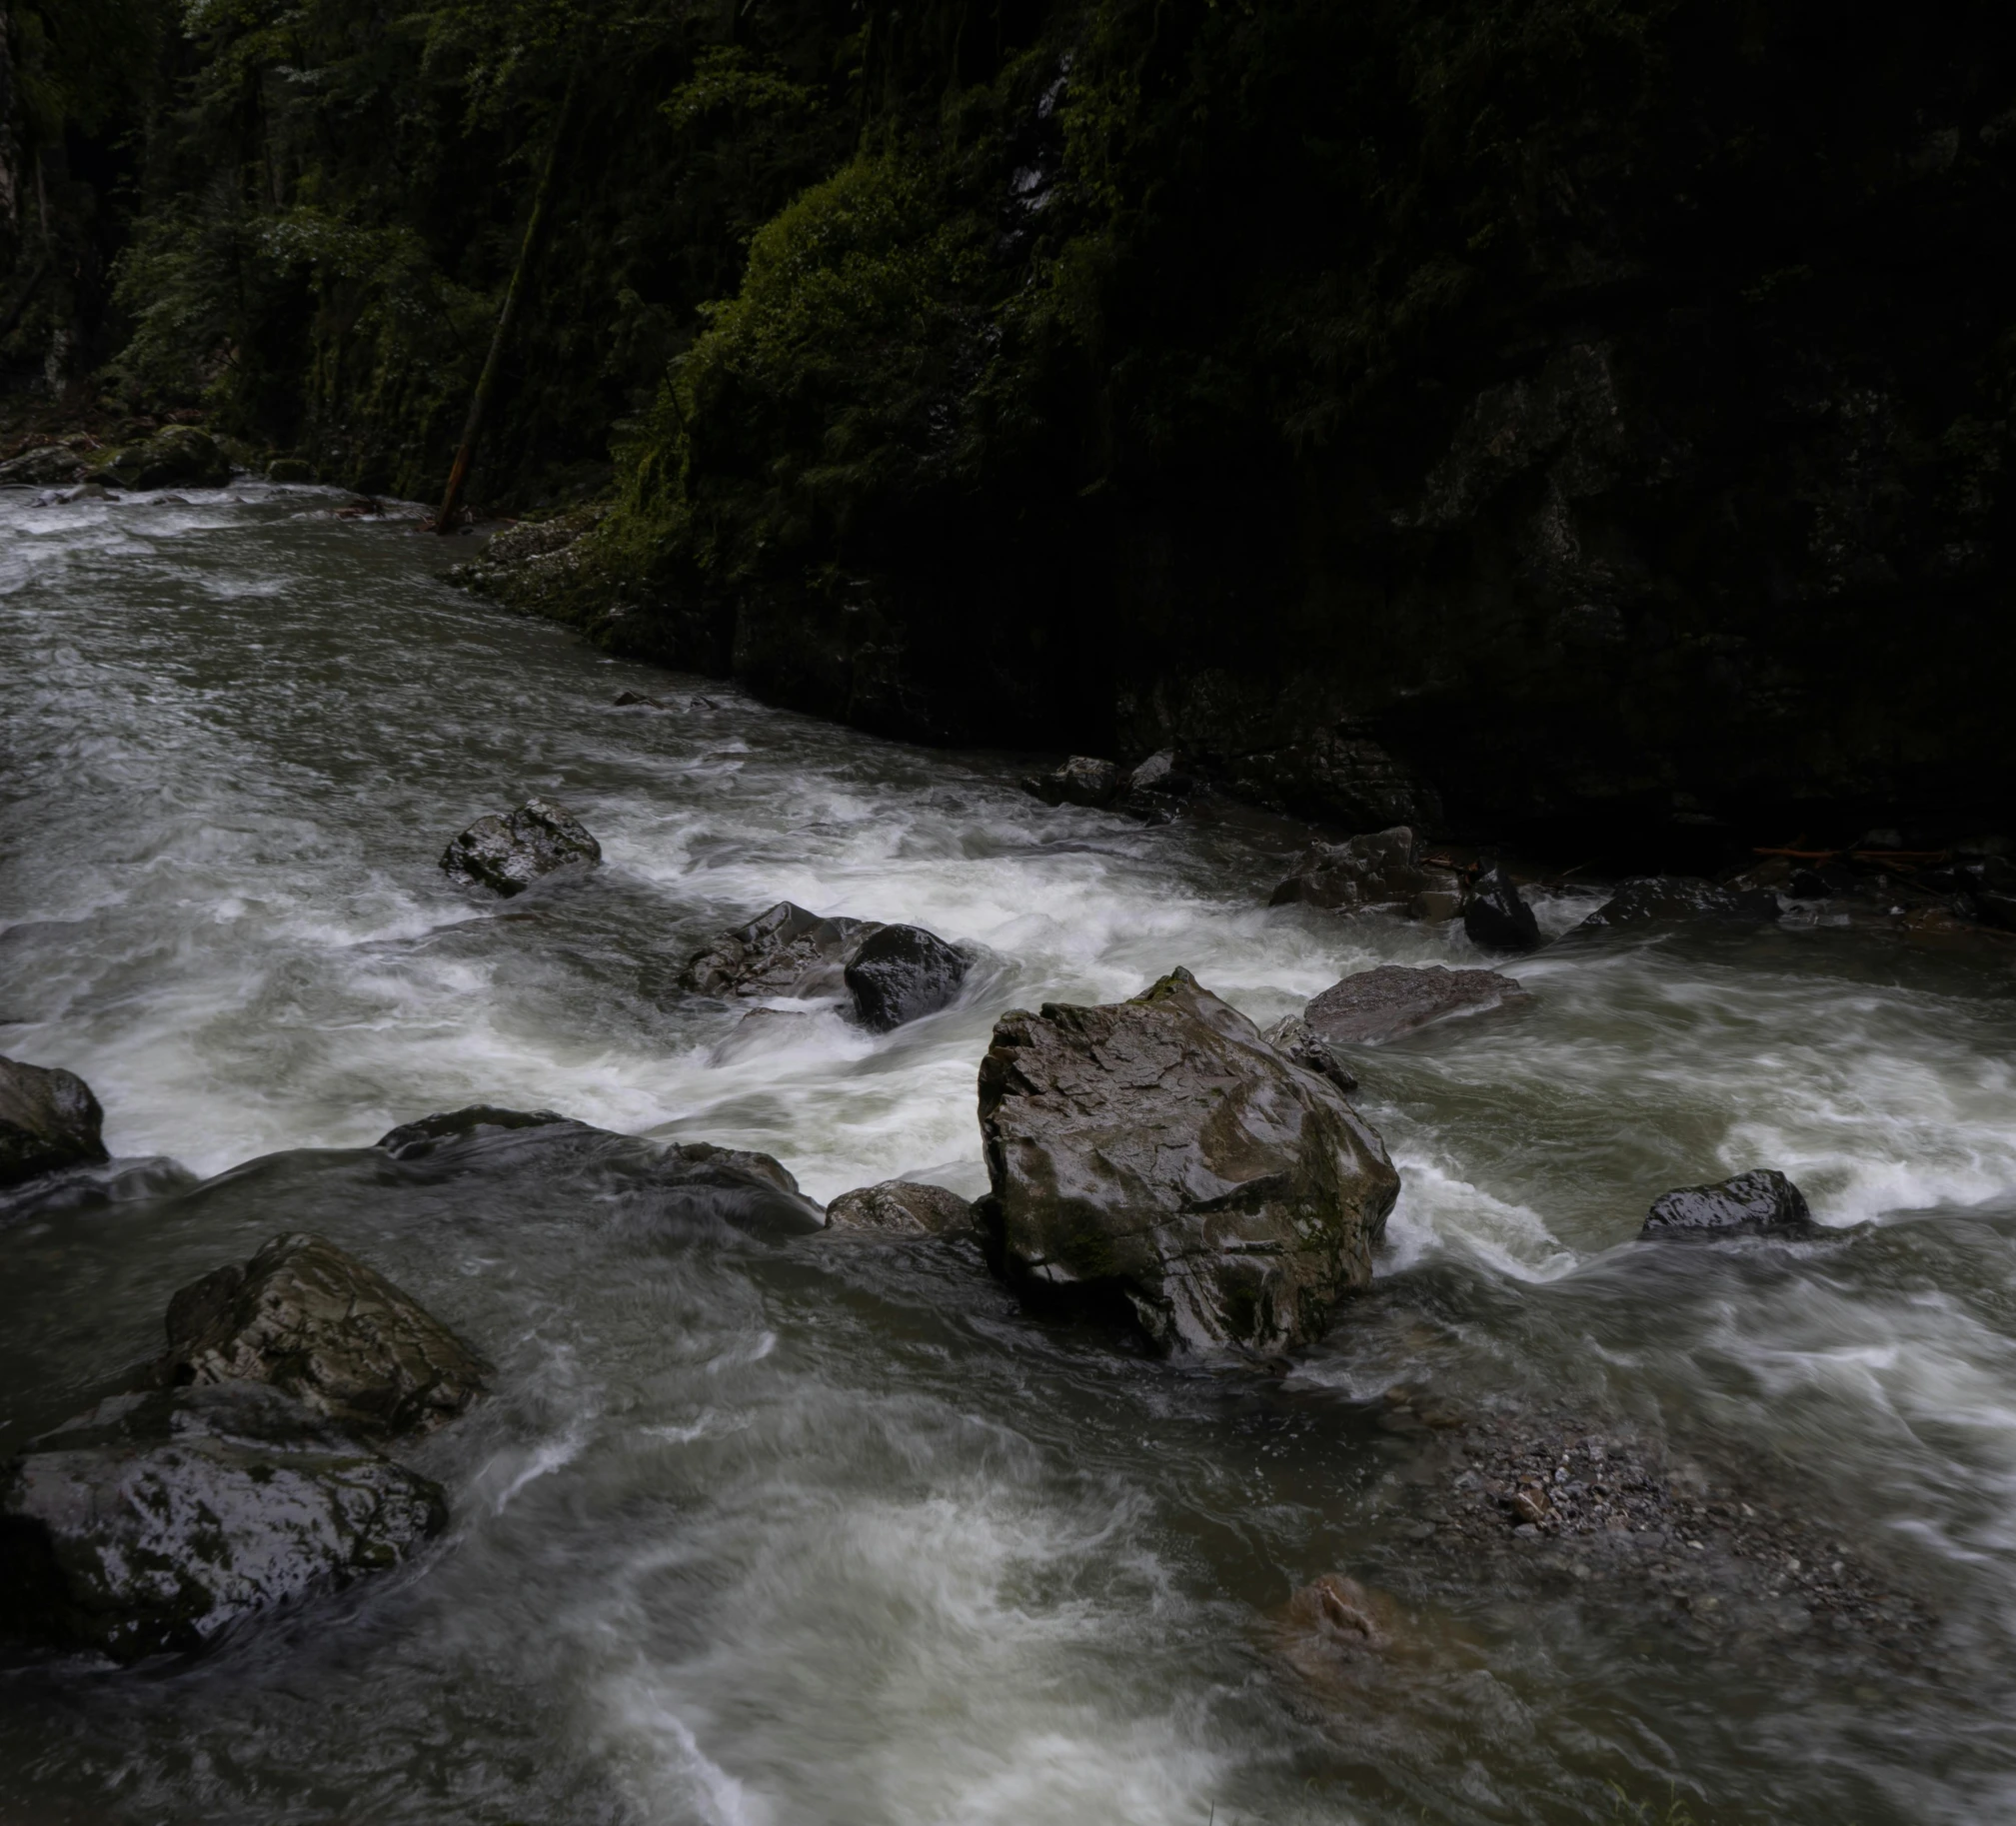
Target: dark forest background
{"x":1556,"y":418}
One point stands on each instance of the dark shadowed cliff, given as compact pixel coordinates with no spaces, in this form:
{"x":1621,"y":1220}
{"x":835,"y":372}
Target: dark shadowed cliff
{"x":1575,"y":419}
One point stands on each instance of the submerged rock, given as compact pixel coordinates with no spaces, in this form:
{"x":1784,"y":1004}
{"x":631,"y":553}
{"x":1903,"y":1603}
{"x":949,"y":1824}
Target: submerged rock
{"x":1495,"y":917}
{"x":506,"y":854}
{"x":157,"y":1521}
{"x":178,"y":456}
{"x":624,"y":700}
{"x":48,"y":1119}
{"x":328,"y":1329}
{"x":1083,"y":780}
{"x":416,"y":1140}
{"x":784,"y":952}
{"x":1382,"y":872}
{"x":1294,"y":1038}
{"x":901,"y":1208}
{"x":1761,"y":1200}
{"x":743,"y":1161}
{"x":900,"y":974}
{"x":1161,"y":1151}
{"x":1397,"y":999}
{"x":1675,"y":899}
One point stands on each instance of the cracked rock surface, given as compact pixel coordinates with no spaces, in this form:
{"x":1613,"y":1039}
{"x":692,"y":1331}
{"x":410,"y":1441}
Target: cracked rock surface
{"x":328,"y":1329}
{"x":1159,"y":1150}
{"x":157,"y":1521}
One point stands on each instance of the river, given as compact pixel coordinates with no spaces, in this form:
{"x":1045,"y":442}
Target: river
{"x":813,"y":1531}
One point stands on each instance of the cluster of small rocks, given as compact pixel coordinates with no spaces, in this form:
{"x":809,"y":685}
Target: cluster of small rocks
{"x":1600,"y":1504}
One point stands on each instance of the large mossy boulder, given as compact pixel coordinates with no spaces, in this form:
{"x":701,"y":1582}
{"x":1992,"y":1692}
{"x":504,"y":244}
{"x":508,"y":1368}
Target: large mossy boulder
{"x":179,"y":456}
{"x":328,"y":1329}
{"x":506,"y":854}
{"x":157,"y":1521}
{"x":1161,"y":1152}
{"x":48,"y":1119}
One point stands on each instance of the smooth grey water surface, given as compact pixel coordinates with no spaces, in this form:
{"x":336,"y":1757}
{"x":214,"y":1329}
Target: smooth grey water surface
{"x":794,"y":1532}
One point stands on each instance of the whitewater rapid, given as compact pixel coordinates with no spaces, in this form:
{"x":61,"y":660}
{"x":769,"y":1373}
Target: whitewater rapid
{"x":849,"y":1539}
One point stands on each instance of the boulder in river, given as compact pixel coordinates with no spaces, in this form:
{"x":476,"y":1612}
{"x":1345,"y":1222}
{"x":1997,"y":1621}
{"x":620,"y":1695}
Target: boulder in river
{"x":1496,"y":917}
{"x":1294,"y":1038}
{"x":506,"y":854}
{"x":1160,"y":1151}
{"x":328,"y":1329}
{"x":784,"y":952}
{"x":1660,"y":899}
{"x":1397,"y":999}
{"x":155,"y":1522}
{"x":48,"y":1119}
{"x":1382,"y":871}
{"x":416,"y":1140}
{"x":41,"y":467}
{"x":900,"y":1208}
{"x":177,"y":456}
{"x":1761,"y":1201}
{"x":1083,"y":780}
{"x":900,"y":974}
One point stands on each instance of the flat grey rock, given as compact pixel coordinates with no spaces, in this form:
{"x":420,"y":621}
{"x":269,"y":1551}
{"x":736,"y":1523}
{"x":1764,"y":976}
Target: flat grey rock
{"x":1397,"y":999}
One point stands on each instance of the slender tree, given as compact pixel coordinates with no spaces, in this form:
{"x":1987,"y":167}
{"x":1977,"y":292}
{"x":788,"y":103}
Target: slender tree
{"x":458,"y":474}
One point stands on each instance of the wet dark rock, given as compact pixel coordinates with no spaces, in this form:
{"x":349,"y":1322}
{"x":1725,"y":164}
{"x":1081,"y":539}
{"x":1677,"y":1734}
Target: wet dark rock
{"x":901,"y":1208}
{"x":178,"y":456}
{"x":685,"y":1179}
{"x":416,"y":1140}
{"x":1495,"y":917}
{"x":1295,"y":1039}
{"x":745,"y":1163}
{"x":1159,"y":1151}
{"x":48,"y":1119}
{"x":506,"y":854}
{"x":1397,"y":999}
{"x":1159,"y":787}
{"x":784,"y":952}
{"x":1083,"y":780}
{"x":901,"y":972}
{"x":1761,"y":1200}
{"x":157,"y":1521}
{"x":1382,"y":872}
{"x":94,"y":1186}
{"x":1680,"y":899}
{"x":624,"y":699}
{"x":290,"y":469}
{"x":330,"y":1330}
{"x":42,"y":467}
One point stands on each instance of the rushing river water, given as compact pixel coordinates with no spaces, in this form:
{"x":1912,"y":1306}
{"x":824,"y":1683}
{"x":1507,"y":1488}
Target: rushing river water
{"x":816,"y":1531}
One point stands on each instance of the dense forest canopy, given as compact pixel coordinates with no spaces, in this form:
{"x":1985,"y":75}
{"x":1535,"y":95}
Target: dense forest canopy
{"x":1543,"y":413}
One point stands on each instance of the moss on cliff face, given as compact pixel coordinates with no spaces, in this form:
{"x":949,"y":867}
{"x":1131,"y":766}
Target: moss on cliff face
{"x":1591,"y":410}
{"x":1599,"y":408}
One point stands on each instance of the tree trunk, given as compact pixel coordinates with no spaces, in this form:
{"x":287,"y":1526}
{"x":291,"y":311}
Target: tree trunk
{"x":451,"y":499}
